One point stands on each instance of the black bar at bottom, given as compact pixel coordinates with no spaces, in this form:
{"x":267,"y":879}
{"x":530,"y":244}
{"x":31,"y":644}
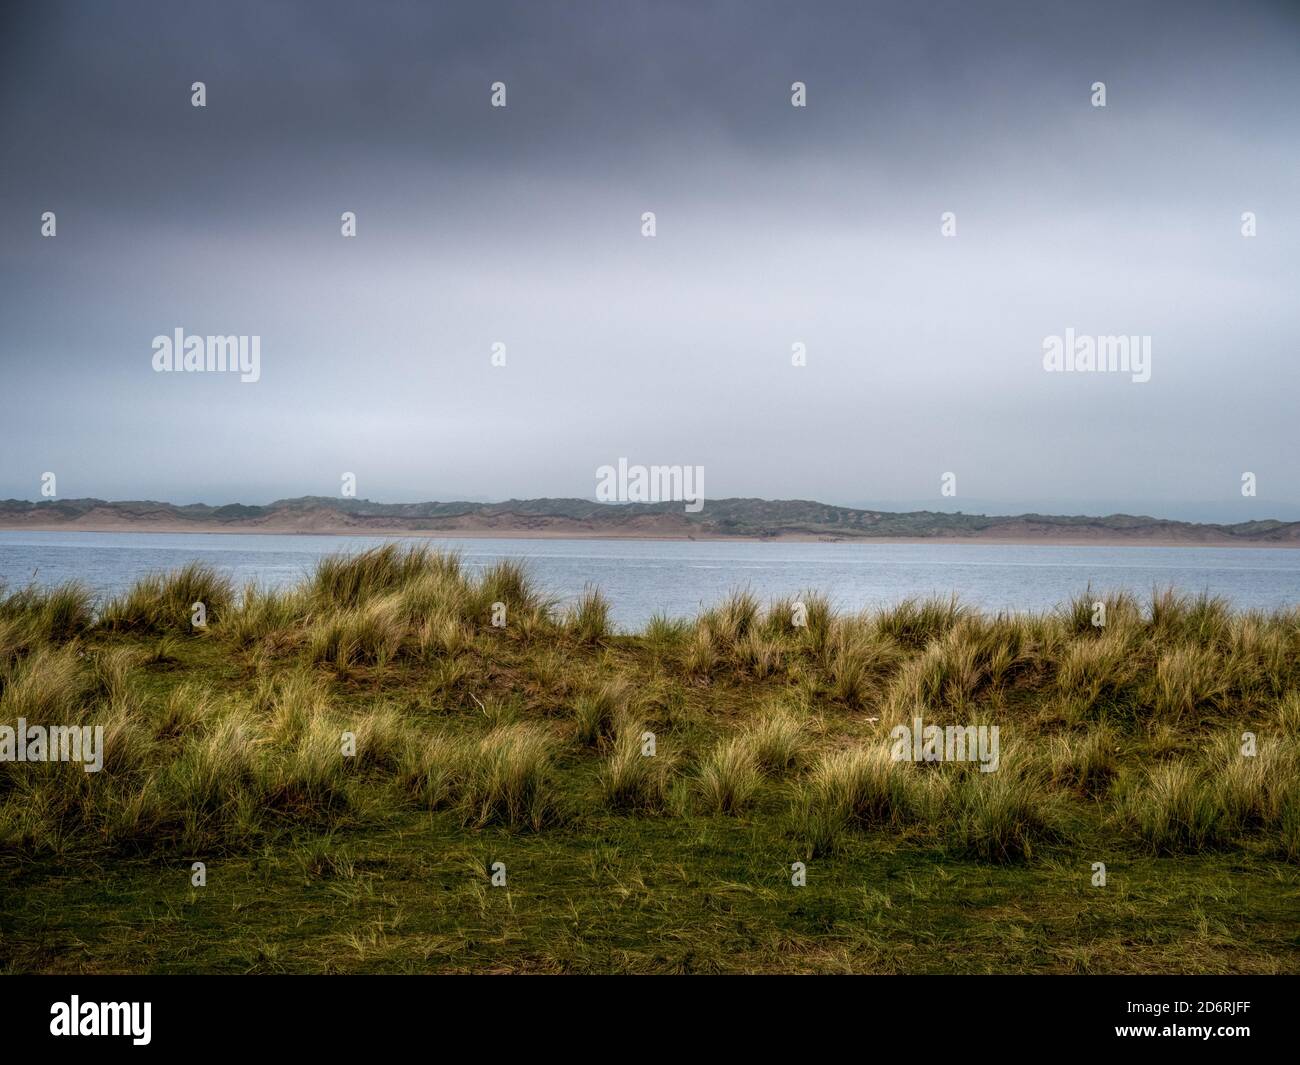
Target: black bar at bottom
{"x":1219,"y":1014}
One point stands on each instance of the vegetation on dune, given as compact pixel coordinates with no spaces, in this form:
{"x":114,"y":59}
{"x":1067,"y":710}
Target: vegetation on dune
{"x":397,"y":686}
{"x":164,"y":603}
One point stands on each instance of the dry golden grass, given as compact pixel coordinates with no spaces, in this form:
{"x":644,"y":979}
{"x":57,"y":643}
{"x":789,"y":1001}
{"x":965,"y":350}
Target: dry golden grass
{"x":383,"y":680}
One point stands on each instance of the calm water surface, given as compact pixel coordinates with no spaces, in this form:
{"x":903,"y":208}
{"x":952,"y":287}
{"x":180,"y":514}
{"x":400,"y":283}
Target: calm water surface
{"x":677,"y":577}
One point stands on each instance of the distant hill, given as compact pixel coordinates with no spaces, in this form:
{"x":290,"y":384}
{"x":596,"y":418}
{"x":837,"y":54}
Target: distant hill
{"x":757,"y":519}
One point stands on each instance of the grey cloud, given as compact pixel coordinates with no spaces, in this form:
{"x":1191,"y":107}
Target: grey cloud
{"x":775,"y":225}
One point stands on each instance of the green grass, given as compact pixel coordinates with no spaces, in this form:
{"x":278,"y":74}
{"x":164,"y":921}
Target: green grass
{"x":646,"y":792}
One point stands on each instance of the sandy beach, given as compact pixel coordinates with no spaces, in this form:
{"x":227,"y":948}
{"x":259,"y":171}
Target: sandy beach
{"x":568,"y":530}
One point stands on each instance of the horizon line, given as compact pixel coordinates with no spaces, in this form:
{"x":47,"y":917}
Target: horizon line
{"x":654,"y":505}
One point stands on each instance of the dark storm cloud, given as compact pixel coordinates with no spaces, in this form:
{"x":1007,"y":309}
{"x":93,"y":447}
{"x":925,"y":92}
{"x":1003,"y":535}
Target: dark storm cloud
{"x":102,"y":89}
{"x":776,"y":224}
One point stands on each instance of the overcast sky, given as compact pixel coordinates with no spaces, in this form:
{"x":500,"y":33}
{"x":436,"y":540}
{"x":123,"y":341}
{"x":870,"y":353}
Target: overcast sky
{"x":775,"y":225}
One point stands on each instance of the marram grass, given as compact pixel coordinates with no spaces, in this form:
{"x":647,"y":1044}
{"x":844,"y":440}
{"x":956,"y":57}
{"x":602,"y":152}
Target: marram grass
{"x":363,"y":748}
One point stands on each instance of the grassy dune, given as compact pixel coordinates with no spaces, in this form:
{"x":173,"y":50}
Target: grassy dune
{"x":524,"y":744}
